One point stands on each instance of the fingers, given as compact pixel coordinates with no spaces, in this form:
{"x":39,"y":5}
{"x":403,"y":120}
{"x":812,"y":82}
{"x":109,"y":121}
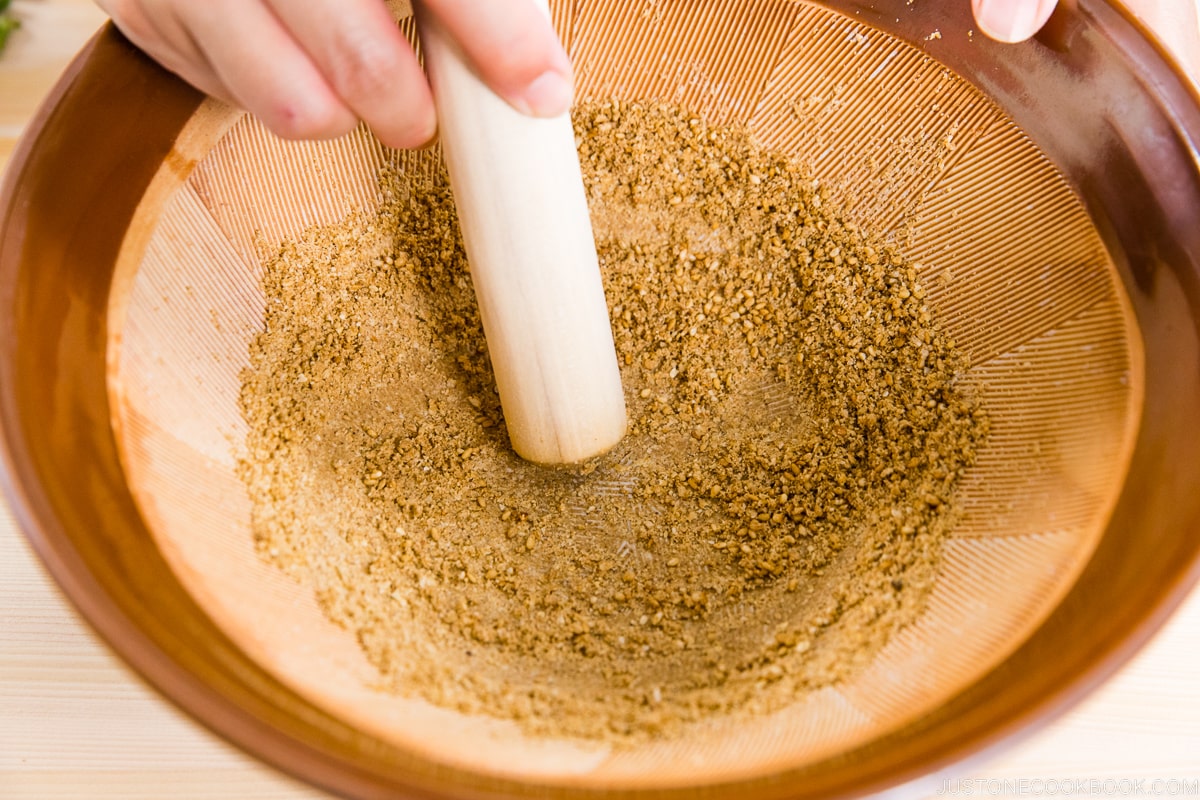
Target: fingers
{"x":1012,"y":20}
{"x":514,"y":48}
{"x":1177,"y":25}
{"x":311,"y":70}
{"x":308,"y":70}
{"x":264,"y":68}
{"x":165,"y":40}
{"x":368,"y":64}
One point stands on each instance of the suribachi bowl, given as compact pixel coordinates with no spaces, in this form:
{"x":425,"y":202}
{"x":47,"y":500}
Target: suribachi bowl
{"x":1055,"y":217}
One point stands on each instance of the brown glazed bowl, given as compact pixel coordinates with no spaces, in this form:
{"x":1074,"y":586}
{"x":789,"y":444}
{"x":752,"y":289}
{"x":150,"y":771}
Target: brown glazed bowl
{"x":1098,"y":98}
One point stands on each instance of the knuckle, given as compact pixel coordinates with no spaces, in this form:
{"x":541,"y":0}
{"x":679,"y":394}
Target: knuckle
{"x":518,"y":57}
{"x":365,"y":70}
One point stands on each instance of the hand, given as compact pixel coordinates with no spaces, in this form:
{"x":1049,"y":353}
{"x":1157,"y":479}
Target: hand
{"x":1175,"y":22}
{"x":1012,"y":20}
{"x":311,"y":69}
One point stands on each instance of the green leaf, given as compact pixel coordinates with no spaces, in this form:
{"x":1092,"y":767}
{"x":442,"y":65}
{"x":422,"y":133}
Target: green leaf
{"x":8,"y":24}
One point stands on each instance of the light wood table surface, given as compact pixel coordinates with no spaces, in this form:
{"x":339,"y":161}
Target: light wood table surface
{"x":75,"y":724}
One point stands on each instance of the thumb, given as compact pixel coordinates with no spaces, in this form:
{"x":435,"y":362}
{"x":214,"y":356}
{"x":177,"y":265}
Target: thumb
{"x":1012,"y":20}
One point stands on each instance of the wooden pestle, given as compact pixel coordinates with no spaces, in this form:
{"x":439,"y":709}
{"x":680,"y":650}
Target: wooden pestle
{"x":524,"y":217}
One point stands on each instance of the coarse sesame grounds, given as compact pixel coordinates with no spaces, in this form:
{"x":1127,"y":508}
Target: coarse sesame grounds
{"x":774,"y":514}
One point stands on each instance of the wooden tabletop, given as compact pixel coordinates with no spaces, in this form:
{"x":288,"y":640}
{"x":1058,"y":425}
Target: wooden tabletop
{"x":75,"y":723}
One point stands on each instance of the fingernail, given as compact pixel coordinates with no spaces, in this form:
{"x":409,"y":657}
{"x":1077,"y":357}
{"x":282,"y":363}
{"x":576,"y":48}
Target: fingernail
{"x":549,"y":95}
{"x":426,"y":134}
{"x":414,"y":133}
{"x":1012,"y":20}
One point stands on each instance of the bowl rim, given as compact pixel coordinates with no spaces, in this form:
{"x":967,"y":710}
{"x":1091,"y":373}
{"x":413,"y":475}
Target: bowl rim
{"x":63,"y":118}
